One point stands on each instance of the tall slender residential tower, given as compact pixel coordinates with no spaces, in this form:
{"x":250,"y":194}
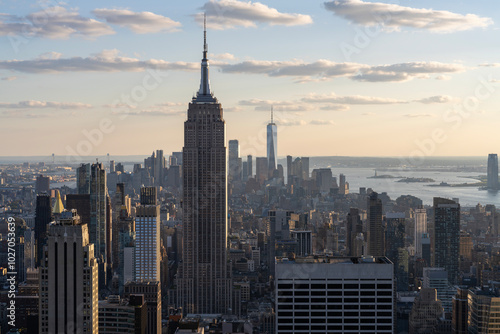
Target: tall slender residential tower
{"x":447,"y":236}
{"x":375,"y":229}
{"x":420,"y":229}
{"x":204,"y":281}
{"x":272,"y":145}
{"x":493,"y":172}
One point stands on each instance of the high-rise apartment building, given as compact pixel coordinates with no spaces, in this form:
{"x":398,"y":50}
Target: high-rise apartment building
{"x":250,"y":165}
{"x":334,"y":295}
{"x":272,"y":145}
{"x":261,"y":169}
{"x":420,"y":228}
{"x":447,"y":236}
{"x":204,"y":282}
{"x":425,"y":312}
{"x":152,"y":296}
{"x":484,"y":310}
{"x":147,"y":237}
{"x":43,"y":216}
{"x":354,"y":226}
{"x":234,"y":161}
{"x":68,"y":279}
{"x":493,"y":172}
{"x":375,"y":229}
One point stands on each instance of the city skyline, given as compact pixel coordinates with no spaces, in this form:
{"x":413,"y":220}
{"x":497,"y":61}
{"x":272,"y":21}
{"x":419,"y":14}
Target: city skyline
{"x":362,"y":82}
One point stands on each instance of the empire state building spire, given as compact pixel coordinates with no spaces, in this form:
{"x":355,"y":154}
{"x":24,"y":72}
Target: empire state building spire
{"x":204,"y":94}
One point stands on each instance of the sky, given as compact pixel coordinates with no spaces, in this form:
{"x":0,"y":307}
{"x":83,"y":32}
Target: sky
{"x":348,"y":77}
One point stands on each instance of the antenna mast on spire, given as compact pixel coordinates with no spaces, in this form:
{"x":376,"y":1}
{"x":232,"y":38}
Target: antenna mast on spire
{"x":205,"y":46}
{"x":272,"y":114}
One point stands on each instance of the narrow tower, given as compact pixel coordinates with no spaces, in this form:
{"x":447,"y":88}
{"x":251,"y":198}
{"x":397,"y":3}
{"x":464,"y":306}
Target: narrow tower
{"x":204,"y":283}
{"x":272,"y":144}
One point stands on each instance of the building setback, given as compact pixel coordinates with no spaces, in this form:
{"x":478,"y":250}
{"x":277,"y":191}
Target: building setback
{"x":335,"y":295}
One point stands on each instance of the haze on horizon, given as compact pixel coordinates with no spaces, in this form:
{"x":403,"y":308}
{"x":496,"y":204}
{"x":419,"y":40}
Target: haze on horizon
{"x":346,"y":78}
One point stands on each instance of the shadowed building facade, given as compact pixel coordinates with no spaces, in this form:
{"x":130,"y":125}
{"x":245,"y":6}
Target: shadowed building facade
{"x":204,"y":284}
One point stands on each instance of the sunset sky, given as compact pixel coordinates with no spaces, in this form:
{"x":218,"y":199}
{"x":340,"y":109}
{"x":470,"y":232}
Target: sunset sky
{"x":353,"y":77}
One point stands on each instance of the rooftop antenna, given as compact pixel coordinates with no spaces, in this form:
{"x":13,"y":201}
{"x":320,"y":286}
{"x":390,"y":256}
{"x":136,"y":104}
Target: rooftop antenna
{"x":272,"y":114}
{"x":205,"y":46}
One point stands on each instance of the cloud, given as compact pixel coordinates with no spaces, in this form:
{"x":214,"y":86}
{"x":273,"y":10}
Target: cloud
{"x":321,"y":122}
{"x":490,"y":65}
{"x":326,"y":69}
{"x":494,"y":80}
{"x":106,"y":61}
{"x":222,"y":56}
{"x":112,"y":61}
{"x":419,"y":115}
{"x":150,"y":113}
{"x":138,"y":22}
{"x":233,"y":109}
{"x":335,"y":107}
{"x":443,"y":77}
{"x":17,"y":114}
{"x":406,"y":71}
{"x":436,"y":99}
{"x":12,"y":78}
{"x":43,"y":104}
{"x":288,"y":122}
{"x":353,"y":99}
{"x":278,"y":106}
{"x":54,"y":23}
{"x":229,"y":14}
{"x":393,"y":17}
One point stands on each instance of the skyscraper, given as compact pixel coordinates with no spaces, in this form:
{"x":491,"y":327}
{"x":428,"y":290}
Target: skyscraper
{"x":234,"y":161}
{"x":43,"y":216}
{"x":447,"y":236}
{"x":42,"y":184}
{"x":68,"y":279}
{"x":375,"y":230}
{"x":493,"y":172}
{"x":204,"y":283}
{"x":420,"y":229}
{"x":147,"y":239}
{"x":272,"y":145}
{"x":250,"y":165}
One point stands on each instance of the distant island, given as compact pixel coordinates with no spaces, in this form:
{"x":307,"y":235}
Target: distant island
{"x":383,"y":177}
{"x":416,"y":180}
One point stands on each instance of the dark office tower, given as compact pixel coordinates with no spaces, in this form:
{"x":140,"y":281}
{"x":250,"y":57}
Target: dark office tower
{"x":447,"y":236}
{"x":375,"y":230}
{"x":250,"y":165}
{"x":42,"y":184}
{"x":148,"y":196}
{"x":289,"y":172}
{"x":204,"y":283}
{"x":155,"y":165}
{"x":83,"y":179}
{"x":68,"y":279}
{"x":152,"y":297}
{"x":234,"y":161}
{"x":81,"y":203}
{"x":261,"y":170}
{"x":395,"y":248}
{"x":354,"y":226}
{"x":43,"y":216}
{"x":459,"y":316}
{"x":493,"y":172}
{"x":97,"y":226}
{"x":112,"y":166}
{"x":272,"y":145}
{"x":305,"y":168}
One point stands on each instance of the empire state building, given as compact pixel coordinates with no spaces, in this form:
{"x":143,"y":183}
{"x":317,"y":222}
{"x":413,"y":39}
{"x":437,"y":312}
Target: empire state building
{"x":204,"y":281}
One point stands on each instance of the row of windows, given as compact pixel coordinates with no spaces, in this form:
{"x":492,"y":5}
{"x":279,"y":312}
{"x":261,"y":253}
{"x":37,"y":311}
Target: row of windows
{"x":339,"y":286}
{"x":290,"y":300}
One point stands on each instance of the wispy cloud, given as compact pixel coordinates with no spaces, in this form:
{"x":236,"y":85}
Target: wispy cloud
{"x":106,"y":61}
{"x":45,"y":105}
{"x":138,"y":22}
{"x":395,"y":17}
{"x":436,"y":99}
{"x":419,"y":115}
{"x":353,"y":99}
{"x":228,"y":14}
{"x":11,"y":78}
{"x":321,"y":122}
{"x":290,"y":122}
{"x":53,"y":22}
